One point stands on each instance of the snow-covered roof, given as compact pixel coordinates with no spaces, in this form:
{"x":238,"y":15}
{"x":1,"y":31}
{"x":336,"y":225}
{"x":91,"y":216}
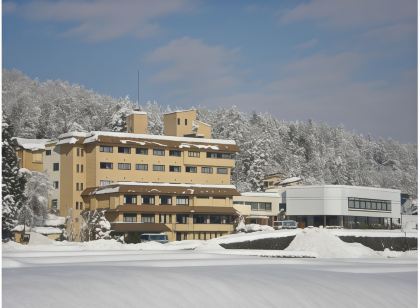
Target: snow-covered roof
{"x":138,"y":112}
{"x":186,"y":185}
{"x":291,"y":180}
{"x":41,"y":230}
{"x":178,"y":111}
{"x":342,"y":186}
{"x":93,"y":136}
{"x":31,"y":144}
{"x":260,"y":194}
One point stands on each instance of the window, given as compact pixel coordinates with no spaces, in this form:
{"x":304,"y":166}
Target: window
{"x":81,"y":205}
{"x":174,"y":168}
{"x":48,"y":152}
{"x":124,"y":150}
{"x":179,"y":121}
{"x":259,"y":206}
{"x":142,"y":167}
{"x":158,"y":167}
{"x":82,"y":152}
{"x":181,"y":219}
{"x":124,"y":166}
{"x":81,"y":186}
{"x":158,"y":152}
{"x":77,"y":205}
{"x":191,"y":169}
{"x":77,"y":151}
{"x":81,"y":168}
{"x":147,"y":218}
{"x":142,"y":151}
{"x":77,"y":168}
{"x":37,"y":157}
{"x":203,"y":197}
{"x":54,"y":204}
{"x":165,"y":218}
{"x":193,"y":154}
{"x":130,"y":199}
{"x":165,"y":200}
{"x":104,"y":165}
{"x":175,"y":153}
{"x":219,"y":155}
{"x":106,"y":148}
{"x":56,"y":166}
{"x":77,"y":186}
{"x":206,"y":170}
{"x":55,"y":184}
{"x":214,"y":219}
{"x":186,"y":121}
{"x":148,"y":200}
{"x":200,"y":219}
{"x":222,"y":170}
{"x":104,"y":182}
{"x":369,"y":204}
{"x":238,"y":202}
{"x":130,"y":217}
{"x":181,"y":200}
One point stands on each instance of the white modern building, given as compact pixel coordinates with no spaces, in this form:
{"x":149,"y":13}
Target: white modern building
{"x":258,"y":207}
{"x":342,"y":205}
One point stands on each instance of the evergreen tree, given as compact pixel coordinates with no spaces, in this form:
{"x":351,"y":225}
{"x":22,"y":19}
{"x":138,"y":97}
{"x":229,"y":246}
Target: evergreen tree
{"x":13,"y":182}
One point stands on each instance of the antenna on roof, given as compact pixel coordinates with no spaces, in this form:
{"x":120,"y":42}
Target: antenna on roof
{"x":138,"y":89}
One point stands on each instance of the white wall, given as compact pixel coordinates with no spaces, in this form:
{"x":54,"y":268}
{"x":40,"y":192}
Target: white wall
{"x":333,"y":200}
{"x":245,"y":210}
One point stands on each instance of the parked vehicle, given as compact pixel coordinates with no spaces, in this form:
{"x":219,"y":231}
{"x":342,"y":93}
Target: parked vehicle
{"x":285,"y":224}
{"x":154,"y":237}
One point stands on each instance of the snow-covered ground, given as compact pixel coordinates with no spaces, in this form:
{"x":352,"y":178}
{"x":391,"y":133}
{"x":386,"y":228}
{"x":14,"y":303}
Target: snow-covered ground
{"x":327,"y":273}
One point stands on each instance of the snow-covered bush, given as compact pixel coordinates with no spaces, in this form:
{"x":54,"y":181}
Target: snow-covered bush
{"x":95,"y":226}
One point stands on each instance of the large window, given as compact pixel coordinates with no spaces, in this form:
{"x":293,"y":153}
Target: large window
{"x":200,"y":219}
{"x":206,"y":170}
{"x":165,"y":200}
{"x":175,"y":153}
{"x":174,"y":168}
{"x":193,"y":154}
{"x":191,"y":169}
{"x":105,"y":165}
{"x":105,"y":148}
{"x":147,"y":218}
{"x":259,"y":206}
{"x":148,"y":199}
{"x":124,"y":150}
{"x":158,"y":152}
{"x":124,"y":166}
{"x":130,"y":199}
{"x":219,"y":155}
{"x":165,"y":218}
{"x":142,"y":151}
{"x":142,"y":167}
{"x":181,"y":219}
{"x":222,"y":170}
{"x":158,"y":167}
{"x":182,"y":200}
{"x":369,"y":204}
{"x":130,"y":217}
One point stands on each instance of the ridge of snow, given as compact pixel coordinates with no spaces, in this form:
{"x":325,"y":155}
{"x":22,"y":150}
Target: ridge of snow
{"x":71,"y":140}
{"x":291,"y":180}
{"x":186,"y":185}
{"x":138,"y":112}
{"x":182,"y":110}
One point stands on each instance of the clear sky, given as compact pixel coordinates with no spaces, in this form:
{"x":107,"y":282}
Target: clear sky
{"x":341,"y":62}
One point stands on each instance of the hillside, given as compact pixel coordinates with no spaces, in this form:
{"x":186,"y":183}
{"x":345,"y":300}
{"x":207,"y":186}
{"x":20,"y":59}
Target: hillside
{"x":314,"y":151}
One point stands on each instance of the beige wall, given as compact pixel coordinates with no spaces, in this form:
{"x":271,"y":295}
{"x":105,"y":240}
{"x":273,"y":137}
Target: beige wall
{"x":137,"y":123}
{"x":31,"y":160}
{"x":171,"y":126}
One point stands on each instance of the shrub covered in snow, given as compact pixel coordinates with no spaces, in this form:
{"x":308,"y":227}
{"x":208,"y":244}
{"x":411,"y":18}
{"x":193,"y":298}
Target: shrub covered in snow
{"x":95,"y":226}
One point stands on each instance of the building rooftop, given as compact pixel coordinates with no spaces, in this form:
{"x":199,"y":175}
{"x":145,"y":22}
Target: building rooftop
{"x":31,"y":144}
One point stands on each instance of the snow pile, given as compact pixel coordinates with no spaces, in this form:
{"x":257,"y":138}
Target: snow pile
{"x":327,"y":245}
{"x":54,"y":221}
{"x":253,"y":236}
{"x":37,"y":239}
{"x":254,"y":228}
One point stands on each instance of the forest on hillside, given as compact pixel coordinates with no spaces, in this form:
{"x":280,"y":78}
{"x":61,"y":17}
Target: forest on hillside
{"x":314,"y":151}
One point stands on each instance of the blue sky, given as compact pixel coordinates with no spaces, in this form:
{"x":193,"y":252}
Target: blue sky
{"x":341,"y":62}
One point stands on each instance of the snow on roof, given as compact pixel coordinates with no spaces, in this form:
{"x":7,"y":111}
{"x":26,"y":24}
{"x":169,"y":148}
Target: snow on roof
{"x":75,"y":134}
{"x":178,"y":111}
{"x":342,"y":186}
{"x":291,"y":180}
{"x":31,"y":144}
{"x":201,"y":122}
{"x":260,"y":194}
{"x":175,"y":185}
{"x":138,"y":112}
{"x":199,"y":146}
{"x":71,"y":140}
{"x":93,"y":136}
{"x":41,"y":230}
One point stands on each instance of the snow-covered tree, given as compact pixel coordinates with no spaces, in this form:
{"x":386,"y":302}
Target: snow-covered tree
{"x":95,"y":226}
{"x":35,"y":208}
{"x":13,"y":182}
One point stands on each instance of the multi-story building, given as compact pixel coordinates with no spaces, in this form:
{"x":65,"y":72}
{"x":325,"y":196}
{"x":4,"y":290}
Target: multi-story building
{"x":178,"y":183}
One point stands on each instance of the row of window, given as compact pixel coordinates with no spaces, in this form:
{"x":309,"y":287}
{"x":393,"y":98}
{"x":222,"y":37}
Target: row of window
{"x":180,"y":218}
{"x":256,"y":206}
{"x":164,"y":200}
{"x":369,"y":204}
{"x":161,"y":152}
{"x":79,"y":168}
{"x":79,"y":205}
{"x":79,"y":186}
{"x":145,"y":167}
